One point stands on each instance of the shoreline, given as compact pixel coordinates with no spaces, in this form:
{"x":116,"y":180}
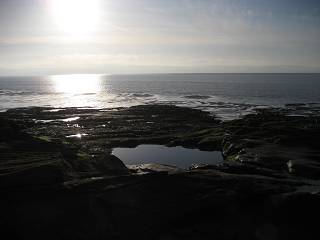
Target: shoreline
{"x":268,"y":181}
{"x":224,"y":111}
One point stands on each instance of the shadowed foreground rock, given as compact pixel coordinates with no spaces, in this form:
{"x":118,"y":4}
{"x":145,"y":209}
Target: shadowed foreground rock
{"x":59,"y":180}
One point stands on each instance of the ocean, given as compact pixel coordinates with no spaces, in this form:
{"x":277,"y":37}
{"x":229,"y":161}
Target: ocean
{"x":226,"y":95}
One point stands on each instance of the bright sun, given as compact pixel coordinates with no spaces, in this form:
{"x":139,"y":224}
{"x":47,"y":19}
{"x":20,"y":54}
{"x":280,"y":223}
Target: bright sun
{"x":75,"y":17}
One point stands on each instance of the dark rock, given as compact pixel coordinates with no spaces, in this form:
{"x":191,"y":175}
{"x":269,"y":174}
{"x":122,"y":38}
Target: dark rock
{"x":59,"y":187}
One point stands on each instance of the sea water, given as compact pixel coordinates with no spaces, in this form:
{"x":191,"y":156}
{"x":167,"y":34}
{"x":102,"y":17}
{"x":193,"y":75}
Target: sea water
{"x":226,"y":95}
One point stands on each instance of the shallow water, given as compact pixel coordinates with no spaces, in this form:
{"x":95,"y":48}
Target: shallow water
{"x":173,"y":156}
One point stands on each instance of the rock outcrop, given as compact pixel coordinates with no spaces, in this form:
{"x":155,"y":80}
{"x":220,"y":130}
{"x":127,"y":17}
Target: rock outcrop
{"x":59,"y":180}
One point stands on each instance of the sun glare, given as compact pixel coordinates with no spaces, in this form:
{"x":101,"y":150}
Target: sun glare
{"x":76,"y":17}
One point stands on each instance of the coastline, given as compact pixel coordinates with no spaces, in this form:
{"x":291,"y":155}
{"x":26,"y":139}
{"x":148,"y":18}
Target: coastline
{"x":268,"y":181}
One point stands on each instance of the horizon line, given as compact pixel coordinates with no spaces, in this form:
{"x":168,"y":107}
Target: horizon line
{"x":168,"y":73}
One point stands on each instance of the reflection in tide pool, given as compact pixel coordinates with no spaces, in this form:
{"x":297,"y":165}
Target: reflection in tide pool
{"x":174,"y":156}
{"x":78,"y":135}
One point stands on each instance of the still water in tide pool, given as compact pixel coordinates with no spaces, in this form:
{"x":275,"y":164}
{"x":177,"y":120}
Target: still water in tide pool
{"x":173,"y":156}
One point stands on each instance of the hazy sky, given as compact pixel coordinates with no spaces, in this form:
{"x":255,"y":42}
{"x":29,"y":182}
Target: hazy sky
{"x":141,"y":36}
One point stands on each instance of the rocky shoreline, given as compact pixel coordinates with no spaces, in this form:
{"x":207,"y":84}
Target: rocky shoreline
{"x":59,"y":180}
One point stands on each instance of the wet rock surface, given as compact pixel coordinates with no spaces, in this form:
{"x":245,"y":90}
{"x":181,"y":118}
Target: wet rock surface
{"x":59,"y":180}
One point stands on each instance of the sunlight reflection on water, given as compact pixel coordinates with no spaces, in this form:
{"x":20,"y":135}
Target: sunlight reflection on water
{"x":77,"y":83}
{"x":79,"y":90}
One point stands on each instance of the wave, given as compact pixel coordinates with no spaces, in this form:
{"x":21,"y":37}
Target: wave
{"x":141,"y":95}
{"x":83,"y":94}
{"x":7,"y":92}
{"x":10,"y":92}
{"x":197,"y":96}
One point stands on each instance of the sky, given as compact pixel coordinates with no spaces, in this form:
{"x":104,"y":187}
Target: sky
{"x":40,"y":37}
